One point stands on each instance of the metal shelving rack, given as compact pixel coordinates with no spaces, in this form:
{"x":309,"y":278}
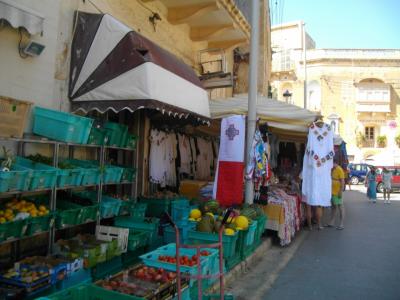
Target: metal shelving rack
{"x":102,"y":150}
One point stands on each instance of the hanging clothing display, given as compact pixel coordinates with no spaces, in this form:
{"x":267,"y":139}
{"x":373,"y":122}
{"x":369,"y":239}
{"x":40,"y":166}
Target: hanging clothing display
{"x":228,"y":184}
{"x":317,"y":165}
{"x":196,"y":157}
{"x":206,"y":157}
{"x":274,"y":145}
{"x":257,"y":166}
{"x":185,"y":154}
{"x":157,"y":158}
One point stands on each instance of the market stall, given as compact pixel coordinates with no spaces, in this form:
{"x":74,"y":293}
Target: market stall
{"x":282,"y":133}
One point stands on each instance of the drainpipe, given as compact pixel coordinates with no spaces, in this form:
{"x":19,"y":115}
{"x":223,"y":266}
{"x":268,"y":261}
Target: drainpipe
{"x":252,"y":101}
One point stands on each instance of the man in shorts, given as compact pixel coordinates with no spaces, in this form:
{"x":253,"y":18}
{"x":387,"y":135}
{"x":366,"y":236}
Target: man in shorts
{"x":338,"y":178}
{"x":387,"y":185}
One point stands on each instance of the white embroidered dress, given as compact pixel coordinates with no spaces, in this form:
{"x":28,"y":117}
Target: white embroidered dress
{"x":317,"y":165}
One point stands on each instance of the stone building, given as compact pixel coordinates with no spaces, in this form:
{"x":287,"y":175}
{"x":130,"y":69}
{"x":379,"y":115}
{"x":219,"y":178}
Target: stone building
{"x":356,"y":90}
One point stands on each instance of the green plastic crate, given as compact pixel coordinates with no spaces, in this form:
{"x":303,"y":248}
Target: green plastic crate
{"x":138,"y":210}
{"x":42,"y":176}
{"x":229,"y":242}
{"x":128,"y":175}
{"x":17,"y":179}
{"x":137,"y":239}
{"x":90,"y":173}
{"x":261,"y":220}
{"x":117,"y":134}
{"x":88,"y":213}
{"x":125,"y":207}
{"x":97,"y":136}
{"x":232,"y":261}
{"x":112,"y":174}
{"x":61,"y":126}
{"x":68,"y":214}
{"x":150,"y":226}
{"x":107,"y":268}
{"x":40,"y":224}
{"x":70,"y":177}
{"x":13,"y":229}
{"x":246,"y":240}
{"x":132,"y":141}
{"x":156,"y":207}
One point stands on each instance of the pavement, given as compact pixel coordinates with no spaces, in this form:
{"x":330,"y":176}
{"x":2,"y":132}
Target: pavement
{"x":360,"y":262}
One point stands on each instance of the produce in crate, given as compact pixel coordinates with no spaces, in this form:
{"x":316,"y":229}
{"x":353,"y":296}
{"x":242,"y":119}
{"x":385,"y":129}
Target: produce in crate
{"x":184,"y":260}
{"x":195,"y":215}
{"x":20,"y":209}
{"x":144,"y":282}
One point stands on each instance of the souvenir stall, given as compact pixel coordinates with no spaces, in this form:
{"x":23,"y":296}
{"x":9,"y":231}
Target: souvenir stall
{"x":275,"y":160}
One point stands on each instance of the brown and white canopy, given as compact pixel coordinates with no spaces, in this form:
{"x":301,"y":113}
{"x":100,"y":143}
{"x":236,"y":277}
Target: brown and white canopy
{"x":116,"y":68}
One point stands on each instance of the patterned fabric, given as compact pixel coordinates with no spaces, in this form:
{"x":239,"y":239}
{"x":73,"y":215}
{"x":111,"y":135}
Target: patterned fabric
{"x":283,"y":214}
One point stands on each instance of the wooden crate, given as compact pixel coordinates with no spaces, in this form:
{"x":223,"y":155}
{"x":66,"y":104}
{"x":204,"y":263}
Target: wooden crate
{"x":13,"y":117}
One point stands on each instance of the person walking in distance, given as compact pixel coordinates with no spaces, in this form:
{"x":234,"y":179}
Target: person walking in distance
{"x":387,"y":185}
{"x":338,"y":182}
{"x":370,"y":183}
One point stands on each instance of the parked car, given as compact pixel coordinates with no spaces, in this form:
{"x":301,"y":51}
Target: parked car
{"x":395,"y":178}
{"x":358,"y":172}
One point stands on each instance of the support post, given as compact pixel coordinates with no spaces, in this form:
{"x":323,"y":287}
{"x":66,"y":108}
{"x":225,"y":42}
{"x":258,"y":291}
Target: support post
{"x":253,"y":83}
{"x":305,"y":64}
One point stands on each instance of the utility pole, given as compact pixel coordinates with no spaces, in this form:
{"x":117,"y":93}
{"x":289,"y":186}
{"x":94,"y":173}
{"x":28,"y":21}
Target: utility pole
{"x":253,"y":83}
{"x":304,"y":63}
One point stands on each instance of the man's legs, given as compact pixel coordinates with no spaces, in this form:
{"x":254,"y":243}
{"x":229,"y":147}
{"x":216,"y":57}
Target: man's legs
{"x":333,"y":215}
{"x":318,"y":215}
{"x":341,"y":215}
{"x":388,"y":195}
{"x":308,"y":215}
{"x":384,"y":195}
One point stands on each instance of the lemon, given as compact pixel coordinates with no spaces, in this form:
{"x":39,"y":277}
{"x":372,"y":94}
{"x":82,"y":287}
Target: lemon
{"x":192,"y":219}
{"x":229,"y":231}
{"x":195,"y":213}
{"x":34,"y":214}
{"x":198,"y":219}
{"x":8,"y":211}
{"x":9,"y":217}
{"x":2,"y":220}
{"x":239,"y":228}
{"x":42,"y":208}
{"x":1,"y":212}
{"x":242,"y":222}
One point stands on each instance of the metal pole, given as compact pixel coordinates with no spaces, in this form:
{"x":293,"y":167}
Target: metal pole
{"x":253,"y":83}
{"x":305,"y":64}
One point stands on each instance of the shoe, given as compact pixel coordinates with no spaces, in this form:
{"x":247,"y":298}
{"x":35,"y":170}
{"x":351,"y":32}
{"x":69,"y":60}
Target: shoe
{"x":320,"y":227}
{"x":340,"y":228}
{"x":328,"y":225}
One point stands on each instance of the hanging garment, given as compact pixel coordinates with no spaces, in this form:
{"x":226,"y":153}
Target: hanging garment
{"x":204,"y":157}
{"x":228,"y":184}
{"x":185,"y":154}
{"x":274,"y":143}
{"x":157,"y":157}
{"x":257,"y":166}
{"x":171,"y":154}
{"x":317,"y":165}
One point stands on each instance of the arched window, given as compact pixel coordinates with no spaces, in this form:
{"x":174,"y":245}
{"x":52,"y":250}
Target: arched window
{"x":314,"y":96}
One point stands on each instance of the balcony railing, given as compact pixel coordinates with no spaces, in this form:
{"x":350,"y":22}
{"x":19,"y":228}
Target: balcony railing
{"x":353,"y":54}
{"x":368,"y":144}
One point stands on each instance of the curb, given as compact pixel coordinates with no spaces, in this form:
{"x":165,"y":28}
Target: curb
{"x":244,"y":265}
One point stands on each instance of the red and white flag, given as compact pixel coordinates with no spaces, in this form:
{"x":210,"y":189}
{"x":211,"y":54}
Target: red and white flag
{"x":228,"y":184}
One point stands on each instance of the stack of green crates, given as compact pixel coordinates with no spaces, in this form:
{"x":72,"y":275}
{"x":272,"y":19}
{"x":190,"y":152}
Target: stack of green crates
{"x":135,"y":225}
{"x":117,"y":134}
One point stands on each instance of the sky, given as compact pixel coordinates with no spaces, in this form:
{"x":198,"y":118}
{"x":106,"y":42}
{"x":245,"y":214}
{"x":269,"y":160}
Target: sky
{"x":344,"y":23}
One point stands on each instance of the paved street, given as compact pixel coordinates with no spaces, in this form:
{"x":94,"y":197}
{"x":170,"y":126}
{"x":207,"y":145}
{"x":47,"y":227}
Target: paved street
{"x":360,"y":262}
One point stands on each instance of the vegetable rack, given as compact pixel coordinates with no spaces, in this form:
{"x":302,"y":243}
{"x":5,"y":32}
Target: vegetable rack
{"x":199,"y":275}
